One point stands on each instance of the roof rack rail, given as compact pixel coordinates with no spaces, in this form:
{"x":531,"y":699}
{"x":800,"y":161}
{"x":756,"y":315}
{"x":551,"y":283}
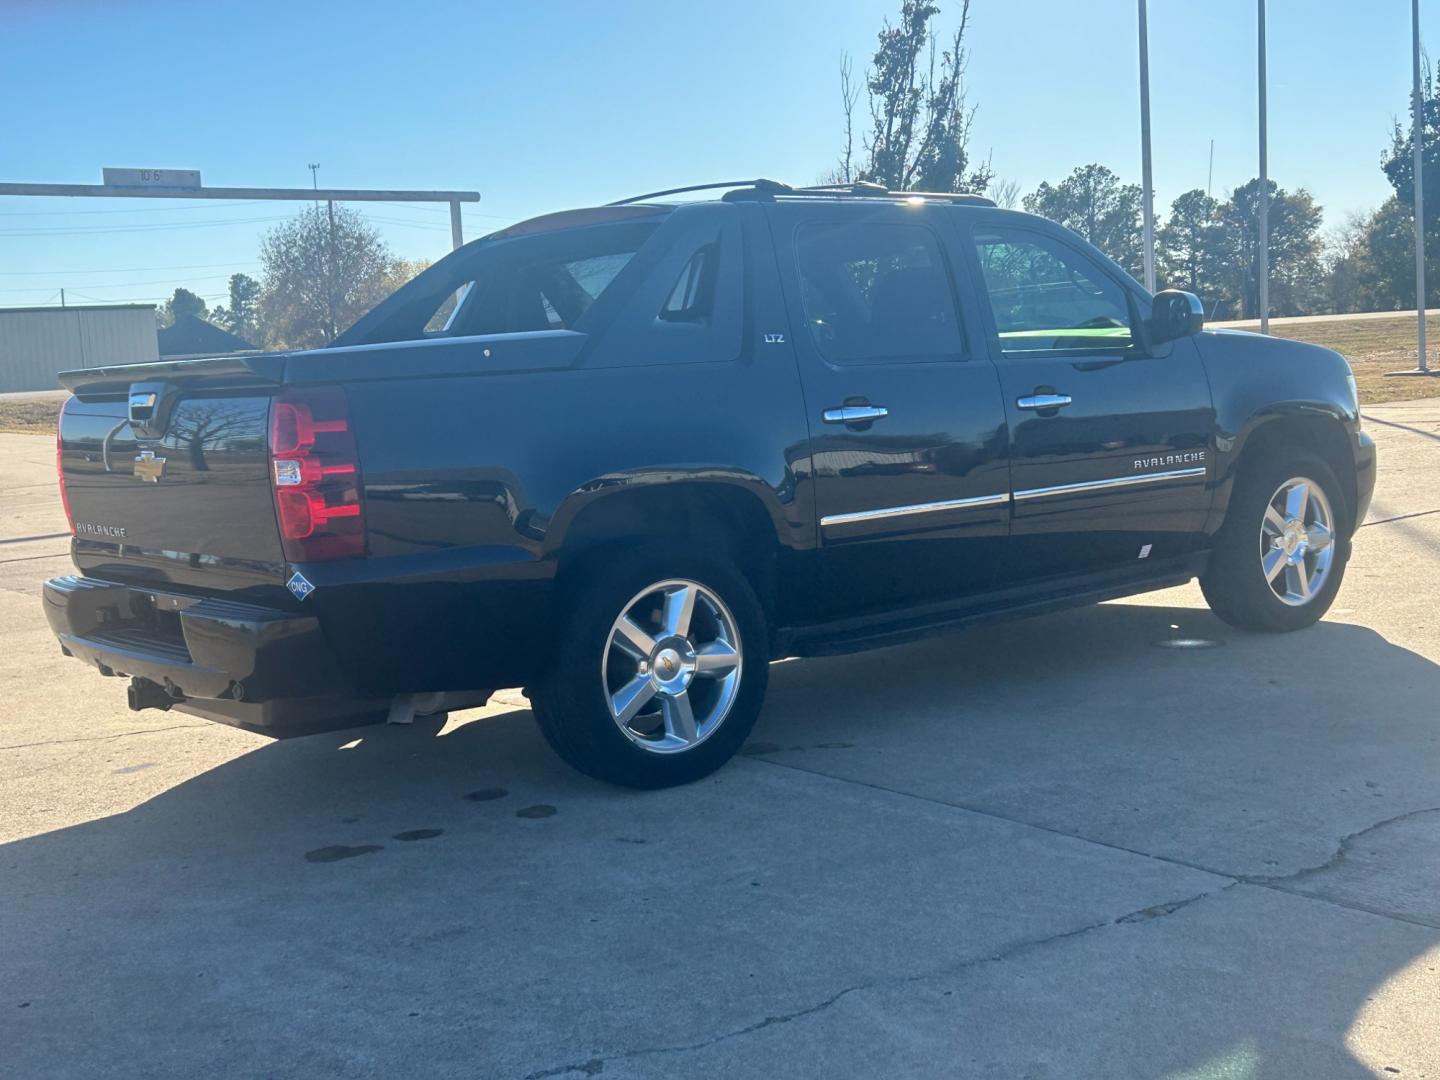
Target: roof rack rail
{"x":769,"y":189}
{"x":760,"y":185}
{"x":869,"y":190}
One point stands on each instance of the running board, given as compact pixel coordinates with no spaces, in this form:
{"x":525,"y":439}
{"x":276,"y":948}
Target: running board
{"x":914,"y":624}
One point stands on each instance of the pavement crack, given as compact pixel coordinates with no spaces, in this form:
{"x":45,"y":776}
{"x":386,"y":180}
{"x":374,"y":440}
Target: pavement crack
{"x":32,"y":539}
{"x":103,"y":738}
{"x":1341,"y":850}
{"x":1289,"y":883}
{"x":973,"y":808}
{"x":1279,"y":883}
{"x":593,"y":1066}
{"x":1398,"y":517}
{"x":33,"y":558}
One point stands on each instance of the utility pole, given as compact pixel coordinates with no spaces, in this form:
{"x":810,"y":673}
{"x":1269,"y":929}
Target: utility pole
{"x":1263,"y":270}
{"x":62,"y":298}
{"x":330,"y":271}
{"x":1147,"y":190}
{"x":314,"y":181}
{"x":1417,"y":139}
{"x":1417,"y":145}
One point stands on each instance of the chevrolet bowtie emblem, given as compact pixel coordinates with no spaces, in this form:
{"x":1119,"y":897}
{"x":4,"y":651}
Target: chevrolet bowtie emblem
{"x":149,"y":467}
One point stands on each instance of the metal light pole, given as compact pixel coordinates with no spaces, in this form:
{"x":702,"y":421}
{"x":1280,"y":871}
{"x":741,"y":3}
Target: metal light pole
{"x":1147,"y":190}
{"x":1264,"y":268}
{"x":1417,"y":142}
{"x":1417,"y":138}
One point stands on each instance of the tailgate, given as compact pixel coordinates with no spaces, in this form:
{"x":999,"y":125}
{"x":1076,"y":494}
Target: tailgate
{"x":188,"y":500}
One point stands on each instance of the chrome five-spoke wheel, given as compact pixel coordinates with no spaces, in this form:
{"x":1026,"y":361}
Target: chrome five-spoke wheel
{"x":1297,"y":540}
{"x":672,"y":666}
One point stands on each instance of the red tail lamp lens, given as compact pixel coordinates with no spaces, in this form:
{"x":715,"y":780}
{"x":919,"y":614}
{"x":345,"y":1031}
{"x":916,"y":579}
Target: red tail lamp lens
{"x":315,"y":472}
{"x":60,"y":469}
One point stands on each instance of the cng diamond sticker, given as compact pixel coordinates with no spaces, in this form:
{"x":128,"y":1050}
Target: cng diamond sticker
{"x":299,"y":585}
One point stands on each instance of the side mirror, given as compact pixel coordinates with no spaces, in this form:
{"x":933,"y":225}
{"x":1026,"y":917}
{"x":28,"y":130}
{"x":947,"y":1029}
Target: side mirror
{"x":1175,"y":314}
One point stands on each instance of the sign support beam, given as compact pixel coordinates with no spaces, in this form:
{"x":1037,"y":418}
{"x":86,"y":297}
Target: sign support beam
{"x":280,"y":194}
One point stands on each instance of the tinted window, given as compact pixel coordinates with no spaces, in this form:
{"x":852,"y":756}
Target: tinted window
{"x":687,"y":305}
{"x":446,"y":311}
{"x":547,"y":294}
{"x":544,"y":279}
{"x":876,"y":292}
{"x":1048,"y":296}
{"x":692,"y":298}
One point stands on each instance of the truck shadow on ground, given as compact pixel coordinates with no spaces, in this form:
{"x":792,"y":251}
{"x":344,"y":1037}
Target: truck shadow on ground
{"x":866,"y":844}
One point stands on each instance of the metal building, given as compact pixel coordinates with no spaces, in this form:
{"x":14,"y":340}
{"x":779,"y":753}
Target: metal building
{"x":38,"y":343}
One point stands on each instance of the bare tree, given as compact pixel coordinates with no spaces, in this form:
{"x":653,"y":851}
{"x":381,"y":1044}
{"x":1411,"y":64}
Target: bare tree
{"x":323,"y":269}
{"x":919,"y":119}
{"x":849,"y":94}
{"x":1004,"y":193}
{"x":207,"y":427}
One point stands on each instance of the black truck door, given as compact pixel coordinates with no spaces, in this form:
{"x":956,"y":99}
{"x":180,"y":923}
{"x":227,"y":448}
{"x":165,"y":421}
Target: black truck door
{"x":907,"y":430}
{"x":1108,"y":443}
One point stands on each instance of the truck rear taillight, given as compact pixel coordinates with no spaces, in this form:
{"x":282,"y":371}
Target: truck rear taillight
{"x":315,"y":472}
{"x":60,"y":468}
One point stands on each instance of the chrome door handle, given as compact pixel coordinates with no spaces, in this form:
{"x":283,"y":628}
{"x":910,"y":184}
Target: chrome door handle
{"x":1043,"y":401}
{"x":855,"y":414}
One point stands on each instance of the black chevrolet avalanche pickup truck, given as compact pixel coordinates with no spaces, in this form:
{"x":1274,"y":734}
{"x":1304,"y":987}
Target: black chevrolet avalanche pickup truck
{"x":624,"y":457}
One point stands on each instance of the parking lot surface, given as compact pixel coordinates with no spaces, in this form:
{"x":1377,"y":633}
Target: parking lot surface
{"x":1051,"y":848}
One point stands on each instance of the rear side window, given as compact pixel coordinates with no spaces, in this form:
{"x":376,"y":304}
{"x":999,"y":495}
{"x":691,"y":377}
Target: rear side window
{"x":692,"y":298}
{"x":440,"y":320}
{"x":535,"y":276}
{"x":548,"y":292}
{"x":593,"y":275}
{"x":688,"y":303}
{"x":876,"y":292}
{"x":1048,"y":297}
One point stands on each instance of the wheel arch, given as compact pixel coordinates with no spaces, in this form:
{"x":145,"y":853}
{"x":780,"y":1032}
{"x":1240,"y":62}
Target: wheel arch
{"x":1318,"y":431}
{"x":730,"y":517}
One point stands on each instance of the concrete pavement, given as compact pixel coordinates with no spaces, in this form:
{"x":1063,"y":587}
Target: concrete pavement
{"x":1043,"y":849}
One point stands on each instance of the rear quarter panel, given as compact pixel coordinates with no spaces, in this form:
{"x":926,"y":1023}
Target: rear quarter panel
{"x":478,"y":454}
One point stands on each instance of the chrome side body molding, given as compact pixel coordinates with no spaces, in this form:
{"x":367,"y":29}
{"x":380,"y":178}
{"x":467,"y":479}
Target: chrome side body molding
{"x":1113,"y":482}
{"x":855,"y":517}
{"x":916,"y":508}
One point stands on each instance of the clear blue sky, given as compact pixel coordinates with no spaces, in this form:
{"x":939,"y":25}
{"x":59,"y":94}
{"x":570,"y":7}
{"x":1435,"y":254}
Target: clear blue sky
{"x":546,"y":105}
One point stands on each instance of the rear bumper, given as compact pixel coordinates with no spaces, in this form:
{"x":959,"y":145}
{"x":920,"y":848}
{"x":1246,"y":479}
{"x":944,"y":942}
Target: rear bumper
{"x":259,"y":668}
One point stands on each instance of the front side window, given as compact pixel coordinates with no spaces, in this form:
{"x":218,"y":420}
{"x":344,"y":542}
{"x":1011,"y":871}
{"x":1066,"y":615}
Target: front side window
{"x":876,"y":292}
{"x":1047,"y":297}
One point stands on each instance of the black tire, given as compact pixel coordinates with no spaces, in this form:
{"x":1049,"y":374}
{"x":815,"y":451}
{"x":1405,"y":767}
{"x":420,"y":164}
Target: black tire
{"x":571,"y":701}
{"x":1234,"y":583}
